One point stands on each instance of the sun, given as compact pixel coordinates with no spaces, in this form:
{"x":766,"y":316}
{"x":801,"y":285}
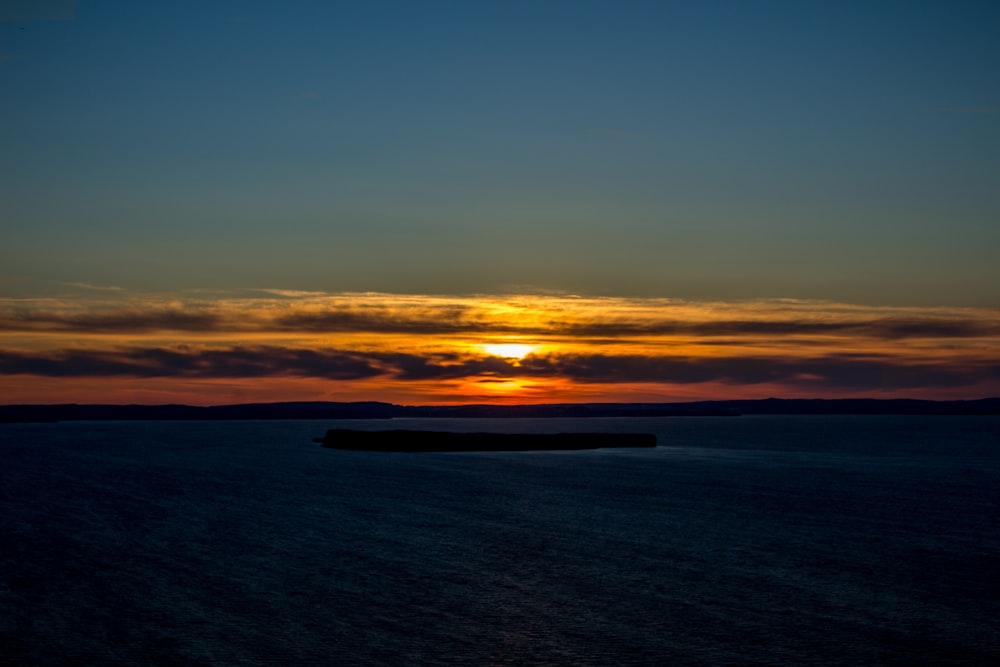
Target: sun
{"x":509,"y":350}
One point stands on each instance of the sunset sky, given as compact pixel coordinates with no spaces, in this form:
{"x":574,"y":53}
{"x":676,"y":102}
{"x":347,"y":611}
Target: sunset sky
{"x":547,"y":201}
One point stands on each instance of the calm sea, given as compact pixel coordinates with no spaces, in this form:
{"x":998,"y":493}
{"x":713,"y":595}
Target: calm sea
{"x":751,"y":540}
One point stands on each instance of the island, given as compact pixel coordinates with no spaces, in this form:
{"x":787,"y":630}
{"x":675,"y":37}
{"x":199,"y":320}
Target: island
{"x":450,"y":441}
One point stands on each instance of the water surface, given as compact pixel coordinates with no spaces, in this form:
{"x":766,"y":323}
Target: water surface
{"x":752,"y":540}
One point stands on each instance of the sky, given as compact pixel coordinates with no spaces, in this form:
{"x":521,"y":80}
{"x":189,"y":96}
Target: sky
{"x":454,"y":202}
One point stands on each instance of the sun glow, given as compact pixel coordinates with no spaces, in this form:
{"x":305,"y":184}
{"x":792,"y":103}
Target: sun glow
{"x":203,"y":349}
{"x":509,"y":350}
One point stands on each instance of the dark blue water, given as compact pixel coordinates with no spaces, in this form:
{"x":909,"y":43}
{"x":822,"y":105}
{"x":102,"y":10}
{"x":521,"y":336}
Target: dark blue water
{"x":752,"y":540}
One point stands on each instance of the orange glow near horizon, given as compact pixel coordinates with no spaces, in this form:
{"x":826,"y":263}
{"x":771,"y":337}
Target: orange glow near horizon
{"x":29,"y":390}
{"x":415,"y":349}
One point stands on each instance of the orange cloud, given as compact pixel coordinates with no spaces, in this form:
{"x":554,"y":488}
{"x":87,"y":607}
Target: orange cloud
{"x":433,"y":348}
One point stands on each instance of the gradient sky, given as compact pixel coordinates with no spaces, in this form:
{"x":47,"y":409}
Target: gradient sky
{"x":706,"y":181}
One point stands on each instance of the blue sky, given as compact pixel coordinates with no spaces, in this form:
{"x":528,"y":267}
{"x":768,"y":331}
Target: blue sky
{"x":697,"y":150}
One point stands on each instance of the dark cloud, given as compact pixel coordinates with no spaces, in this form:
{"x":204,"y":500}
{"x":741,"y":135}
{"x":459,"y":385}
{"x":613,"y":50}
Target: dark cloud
{"x":261,"y":361}
{"x":599,"y":368}
{"x":464,"y":319}
{"x":841,"y":371}
{"x":460,"y":319}
{"x":831,"y":371}
{"x":884,"y":328}
{"x":119,"y":321}
{"x":894,"y":328}
{"x":413,"y":367}
{"x":69,"y":364}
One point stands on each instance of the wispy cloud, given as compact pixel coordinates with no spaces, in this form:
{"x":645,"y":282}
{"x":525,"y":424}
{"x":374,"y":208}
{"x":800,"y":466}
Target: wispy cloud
{"x":860,"y":372}
{"x":99,"y":288}
{"x":117,"y":321}
{"x":290,"y":293}
{"x":438,"y":344}
{"x":184,"y":362}
{"x":524,"y":315}
{"x":851,"y":371}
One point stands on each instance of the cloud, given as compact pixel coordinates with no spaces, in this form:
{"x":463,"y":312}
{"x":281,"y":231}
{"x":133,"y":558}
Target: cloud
{"x":409,"y":367}
{"x":857,"y":372}
{"x":235,"y":362}
{"x":884,"y":328}
{"x":290,"y":293}
{"x":117,"y":321}
{"x":419,"y":341}
{"x":841,"y":371}
{"x":288,"y":312}
{"x":100,"y":288}
{"x":430,"y":320}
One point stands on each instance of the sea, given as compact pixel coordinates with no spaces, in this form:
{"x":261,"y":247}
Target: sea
{"x":755,"y":540}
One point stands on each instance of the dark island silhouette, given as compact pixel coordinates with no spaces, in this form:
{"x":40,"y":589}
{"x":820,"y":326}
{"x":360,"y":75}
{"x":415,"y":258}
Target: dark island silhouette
{"x":411,"y":441}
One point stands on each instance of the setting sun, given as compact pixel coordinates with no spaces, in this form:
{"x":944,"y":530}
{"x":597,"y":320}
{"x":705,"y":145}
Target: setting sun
{"x":509,"y":350}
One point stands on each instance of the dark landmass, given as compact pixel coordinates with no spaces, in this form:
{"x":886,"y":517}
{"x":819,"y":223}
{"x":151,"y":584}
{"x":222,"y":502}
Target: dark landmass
{"x":449,"y":441}
{"x":377,"y":410}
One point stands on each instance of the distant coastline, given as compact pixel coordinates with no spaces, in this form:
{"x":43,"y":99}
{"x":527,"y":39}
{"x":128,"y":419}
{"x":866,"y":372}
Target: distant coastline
{"x":378,"y":410}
